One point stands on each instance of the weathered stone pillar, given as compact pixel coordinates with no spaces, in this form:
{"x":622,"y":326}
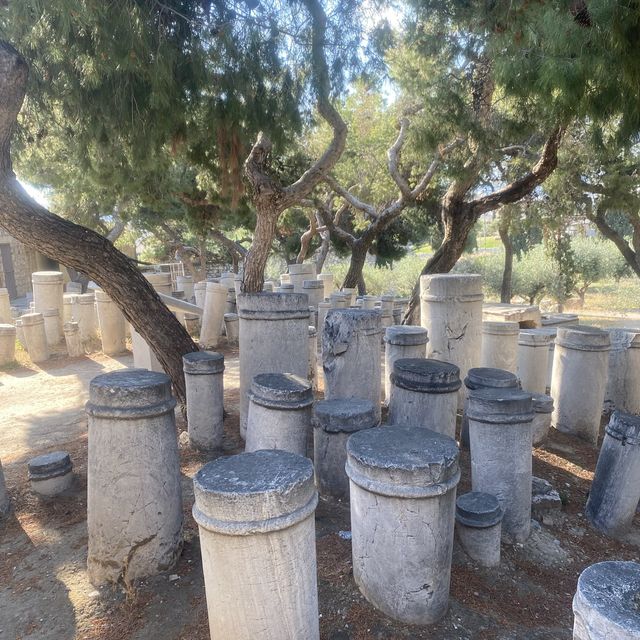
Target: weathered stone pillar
{"x":35,"y":337}
{"x":315,"y":290}
{"x":7,"y":344}
{"x":48,"y":291}
{"x":112,"y":325}
{"x":323,"y":309}
{"x":298,"y":273}
{"x":274,"y":338}
{"x":623,"y":382}
{"x":279,"y":413}
{"x":200,"y":293}
{"x":579,"y":380}
{"x":338,"y":300}
{"x":285,"y":287}
{"x":334,"y":421}
{"x":500,"y":345}
{"x":542,"y":409}
{"x":134,"y":499}
{"x":51,"y":473}
{"x":501,"y":456}
{"x":401,"y":341}
{"x":451,"y":311}
{"x":5,"y":501}
{"x":258,"y":543}
{"x":312,"y":374}
{"x":72,"y":339}
{"x":186,"y":284}
{"x":350,"y":293}
{"x":203,"y":377}
{"x":232,"y":327}
{"x":87,"y":317}
{"x":5,"y":307}
{"x":483,"y":378}
{"x":478,"y":525}
{"x":605,"y":606}
{"x":424,"y":393}
{"x":351,"y":355}
{"x":268,"y":287}
{"x":213,"y":317}
{"x":143,"y":356}
{"x":20,"y":333}
{"x":615,"y":490}
{"x":161,"y":282}
{"x":403,"y":491}
{"x":327,"y":281}
{"x":52,"y":326}
{"x":369,"y":302}
{"x":533,"y":360}
{"x":68,"y":307}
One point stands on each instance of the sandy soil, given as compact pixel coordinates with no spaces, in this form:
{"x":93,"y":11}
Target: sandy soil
{"x":45,"y":594}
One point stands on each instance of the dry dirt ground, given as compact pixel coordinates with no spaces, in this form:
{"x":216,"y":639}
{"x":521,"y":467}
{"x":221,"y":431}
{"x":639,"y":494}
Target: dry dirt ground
{"x":45,"y":594}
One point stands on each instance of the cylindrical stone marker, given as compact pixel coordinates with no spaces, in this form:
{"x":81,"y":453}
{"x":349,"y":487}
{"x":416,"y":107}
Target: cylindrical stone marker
{"x":213,"y":317}
{"x":338,"y":300}
{"x":134,"y":499}
{"x":533,"y":360}
{"x":5,"y":307}
{"x":451,"y":311}
{"x":7,"y":344}
{"x":232,"y":327}
{"x":274,"y":338}
{"x":111,"y":323}
{"x":501,"y":456}
{"x":327,"y":281}
{"x":186,"y":284}
{"x":72,"y":339}
{"x":87,"y":317}
{"x":615,"y":490}
{"x":542,"y":409}
{"x":478,"y":525}
{"x":258,"y":544}
{"x":68,"y":307}
{"x":401,"y":341}
{"x":605,"y":606}
{"x":351,"y":355}
{"x":52,"y":326}
{"x":203,"y":377}
{"x":200,"y":293}
{"x":312,"y":374}
{"x":161,"y":282}
{"x":143,"y":355}
{"x":579,"y":380}
{"x":623,"y":382}
{"x":403,"y":491}
{"x":48,"y":291}
{"x":315,"y":290}
{"x":424,"y":393}
{"x":35,"y":336}
{"x":334,"y":421}
{"x":298,"y":273}
{"x":50,"y":474}
{"x":279,"y":413}
{"x":500,"y":345}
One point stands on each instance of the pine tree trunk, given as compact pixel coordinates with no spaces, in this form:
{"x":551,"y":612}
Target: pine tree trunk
{"x":354,"y":277}
{"x":256,"y":259}
{"x":507,"y":273}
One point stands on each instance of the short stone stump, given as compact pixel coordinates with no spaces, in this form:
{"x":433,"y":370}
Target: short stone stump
{"x":478,"y":525}
{"x":51,"y":473}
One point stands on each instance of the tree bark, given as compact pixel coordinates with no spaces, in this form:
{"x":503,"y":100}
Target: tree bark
{"x":256,"y":259}
{"x":78,"y":247}
{"x":354,"y":277}
{"x":507,"y":272}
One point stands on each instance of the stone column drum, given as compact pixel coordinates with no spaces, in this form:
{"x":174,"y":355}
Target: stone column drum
{"x":111,"y":323}
{"x":52,"y":326}
{"x":401,"y":341}
{"x":279,"y":413}
{"x":334,"y":421}
{"x":312,"y":374}
{"x":424,"y":393}
{"x":185,"y":283}
{"x":213,"y":317}
{"x":615,"y":490}
{"x":7,"y":344}
{"x":72,"y":339}
{"x":231,"y":327}
{"x":35,"y":337}
{"x":500,"y":345}
{"x":542,"y":410}
{"x":298,"y":273}
{"x":605,"y":606}
{"x":478,"y":525}
{"x":501,"y":456}
{"x":199,"y":293}
{"x":134,"y":499}
{"x":579,"y":380}
{"x":143,"y":355}
{"x":203,"y":377}
{"x":451,"y":311}
{"x":50,"y":474}
{"x":351,"y":355}
{"x":533,"y":360}
{"x":274,"y":338}
{"x":161,"y":282}
{"x":87,"y":317}
{"x":257,"y":538}
{"x":315,"y":290}
{"x":5,"y":307}
{"x":48,"y":291}
{"x":69,"y":307}
{"x":403,"y":491}
{"x":327,"y":281}
{"x":623,"y":381}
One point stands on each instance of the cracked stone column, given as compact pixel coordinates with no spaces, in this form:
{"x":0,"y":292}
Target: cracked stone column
{"x":274,"y":338}
{"x":69,"y":307}
{"x":48,"y":291}
{"x":200,"y":292}
{"x":213,"y":316}
{"x":52,"y":326}
{"x":312,"y":374}
{"x":327,"y":281}
{"x":424,"y":393}
{"x":87,"y":317}
{"x":72,"y":339}
{"x":501,"y":456}
{"x":483,"y":378}
{"x":298,"y":273}
{"x":279,"y":414}
{"x":478,"y":525}
{"x":231,"y":327}
{"x":323,"y":309}
{"x":451,"y":311}
{"x":351,"y":355}
{"x":579,"y":380}
{"x":204,"y":382}
{"x":315,"y":290}
{"x":35,"y":336}
{"x":112,"y":325}
{"x":255,"y":513}
{"x":5,"y":307}
{"x":403,"y":491}
{"x":623,"y":381}
{"x":186,"y":284}
{"x":134,"y":499}
{"x":401,"y":341}
{"x":7,"y":344}
{"x":5,"y":501}
{"x":143,"y":355}
{"x":338,"y":300}
{"x":542,"y":410}
{"x":161,"y":282}
{"x":334,"y":421}
{"x":500,"y":345}
{"x":533,"y":360}
{"x":605,"y":606}
{"x":615,"y":490}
